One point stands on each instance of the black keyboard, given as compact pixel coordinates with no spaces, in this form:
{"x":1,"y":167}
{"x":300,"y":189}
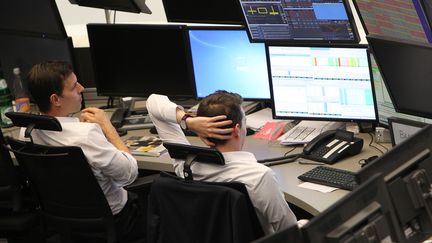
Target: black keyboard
{"x":329,"y":176}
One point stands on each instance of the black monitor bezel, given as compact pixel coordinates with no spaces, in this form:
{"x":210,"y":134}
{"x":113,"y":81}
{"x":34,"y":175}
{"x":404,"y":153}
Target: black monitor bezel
{"x":426,"y":7}
{"x":385,"y":79}
{"x":127,"y":5}
{"x":69,"y":47}
{"x":137,"y":27}
{"x":396,"y":165}
{"x":351,"y":19}
{"x":205,"y":21}
{"x":219,"y":27}
{"x":362,"y":193}
{"x":61,"y":34}
{"x":316,"y":118}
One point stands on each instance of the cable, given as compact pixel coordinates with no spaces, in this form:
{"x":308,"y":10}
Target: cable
{"x":386,"y":149}
{"x":289,"y":151}
{"x":373,"y":146}
{"x":115,"y":13}
{"x":278,"y":162}
{"x":279,"y":158}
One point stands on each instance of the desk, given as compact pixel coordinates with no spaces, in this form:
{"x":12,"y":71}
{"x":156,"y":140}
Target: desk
{"x":313,"y":202}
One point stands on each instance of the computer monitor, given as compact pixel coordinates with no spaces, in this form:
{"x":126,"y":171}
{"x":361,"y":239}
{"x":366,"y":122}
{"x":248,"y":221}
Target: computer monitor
{"x":394,"y":18}
{"x":384,"y":104}
{"x":321,"y":83}
{"x":134,"y":6}
{"x":36,"y":17}
{"x":223,"y":58}
{"x":138,"y":60}
{"x":407,"y":172}
{"x":364,"y":215}
{"x":201,"y":11}
{"x":403,"y":65}
{"x":25,"y":51}
{"x":401,"y":129}
{"x":299,"y":21}
{"x":426,"y":6}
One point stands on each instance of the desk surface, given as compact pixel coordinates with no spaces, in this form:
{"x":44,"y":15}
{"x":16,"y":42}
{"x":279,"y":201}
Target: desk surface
{"x":312,"y":201}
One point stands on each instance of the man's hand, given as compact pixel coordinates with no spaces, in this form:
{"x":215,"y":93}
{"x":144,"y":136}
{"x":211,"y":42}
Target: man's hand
{"x":96,"y":115}
{"x":210,"y":127}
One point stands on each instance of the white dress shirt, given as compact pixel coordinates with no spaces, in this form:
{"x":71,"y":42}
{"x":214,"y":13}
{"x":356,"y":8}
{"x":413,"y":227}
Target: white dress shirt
{"x":267,"y":198}
{"x":112,"y":168}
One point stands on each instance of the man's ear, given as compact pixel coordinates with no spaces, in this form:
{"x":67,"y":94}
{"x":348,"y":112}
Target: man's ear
{"x":55,"y":100}
{"x":236,"y":130}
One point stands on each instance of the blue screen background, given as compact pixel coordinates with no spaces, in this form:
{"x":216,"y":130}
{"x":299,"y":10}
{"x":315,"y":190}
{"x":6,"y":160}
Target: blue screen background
{"x":225,"y":59}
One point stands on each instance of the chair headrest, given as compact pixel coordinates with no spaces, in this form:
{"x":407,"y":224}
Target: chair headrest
{"x":203,"y":155}
{"x":43,"y":122}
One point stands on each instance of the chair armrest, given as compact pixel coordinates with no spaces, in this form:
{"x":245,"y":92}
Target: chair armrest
{"x":141,"y":183}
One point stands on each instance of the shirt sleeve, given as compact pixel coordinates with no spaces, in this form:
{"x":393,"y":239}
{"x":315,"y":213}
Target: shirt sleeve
{"x":120,"y":166}
{"x":273,"y":205}
{"x":162,"y":112}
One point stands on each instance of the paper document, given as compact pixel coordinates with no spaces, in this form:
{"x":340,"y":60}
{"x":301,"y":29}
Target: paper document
{"x":305,"y":131}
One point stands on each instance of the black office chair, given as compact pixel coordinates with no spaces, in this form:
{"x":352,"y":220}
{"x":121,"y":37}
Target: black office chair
{"x":19,"y":219}
{"x":70,"y":197}
{"x":184,"y":210}
{"x":291,"y":234}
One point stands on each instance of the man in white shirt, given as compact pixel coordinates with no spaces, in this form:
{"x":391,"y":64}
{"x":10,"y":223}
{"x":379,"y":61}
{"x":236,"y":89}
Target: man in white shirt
{"x":224,"y":114}
{"x":56,"y":91}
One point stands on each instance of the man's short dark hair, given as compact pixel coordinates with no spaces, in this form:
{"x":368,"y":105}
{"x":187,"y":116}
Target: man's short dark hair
{"x":45,"y":79}
{"x":222,"y":102}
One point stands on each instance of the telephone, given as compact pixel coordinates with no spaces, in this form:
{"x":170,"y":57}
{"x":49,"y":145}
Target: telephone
{"x":332,"y":145}
{"x":133,"y":111}
{"x":118,"y":116}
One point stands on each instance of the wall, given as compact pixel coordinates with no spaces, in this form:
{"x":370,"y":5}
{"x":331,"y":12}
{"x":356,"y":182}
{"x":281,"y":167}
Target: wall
{"x":76,"y":17}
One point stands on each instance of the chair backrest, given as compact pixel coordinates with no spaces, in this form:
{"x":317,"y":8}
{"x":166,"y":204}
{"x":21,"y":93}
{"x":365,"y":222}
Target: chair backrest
{"x":191,"y":153}
{"x":194,"y":211}
{"x":291,"y":234}
{"x":11,"y":181}
{"x":208,"y":211}
{"x":64,"y":183}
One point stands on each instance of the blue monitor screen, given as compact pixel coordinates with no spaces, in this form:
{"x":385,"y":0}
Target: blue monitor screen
{"x":322,"y":82}
{"x":224,"y":59}
{"x":299,"y":20}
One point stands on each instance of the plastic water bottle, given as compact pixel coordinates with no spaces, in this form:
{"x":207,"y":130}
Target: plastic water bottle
{"x":5,"y":103}
{"x":22,"y":100}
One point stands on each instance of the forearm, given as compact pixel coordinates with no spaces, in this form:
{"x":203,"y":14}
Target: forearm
{"x":113,"y":137}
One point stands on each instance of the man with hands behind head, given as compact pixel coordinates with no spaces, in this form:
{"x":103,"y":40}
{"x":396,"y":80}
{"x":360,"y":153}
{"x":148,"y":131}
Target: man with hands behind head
{"x":221,"y":123}
{"x":56,"y":91}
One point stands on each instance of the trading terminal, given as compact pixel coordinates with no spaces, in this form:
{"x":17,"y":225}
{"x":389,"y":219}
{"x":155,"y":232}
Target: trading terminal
{"x":345,"y":83}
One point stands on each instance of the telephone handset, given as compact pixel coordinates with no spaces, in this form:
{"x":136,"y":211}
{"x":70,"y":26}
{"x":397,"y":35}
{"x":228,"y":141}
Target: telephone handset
{"x":332,"y":145}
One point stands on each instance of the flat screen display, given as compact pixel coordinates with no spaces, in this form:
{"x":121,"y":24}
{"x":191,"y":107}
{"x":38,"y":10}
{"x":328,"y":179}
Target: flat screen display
{"x":403,"y":65}
{"x":223,"y":58}
{"x":321,"y":83}
{"x":36,"y":17}
{"x":25,"y":51}
{"x":299,"y":20}
{"x":384,"y":103}
{"x":138,"y":60}
{"x":202,"y":11}
{"x":402,"y":19}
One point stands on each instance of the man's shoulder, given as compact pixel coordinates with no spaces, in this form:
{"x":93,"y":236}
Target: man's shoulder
{"x":81,"y":128}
